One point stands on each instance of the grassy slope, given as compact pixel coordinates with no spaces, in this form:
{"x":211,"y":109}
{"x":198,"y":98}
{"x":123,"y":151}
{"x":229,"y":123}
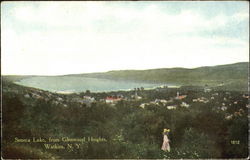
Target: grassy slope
{"x":14,"y":78}
{"x":234,"y":76}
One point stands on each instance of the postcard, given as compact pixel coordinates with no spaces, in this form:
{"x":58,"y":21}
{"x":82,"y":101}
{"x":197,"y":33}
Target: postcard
{"x":124,"y":79}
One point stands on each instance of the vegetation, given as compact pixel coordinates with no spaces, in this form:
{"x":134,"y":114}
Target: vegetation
{"x":125,"y":129}
{"x":231,"y":77}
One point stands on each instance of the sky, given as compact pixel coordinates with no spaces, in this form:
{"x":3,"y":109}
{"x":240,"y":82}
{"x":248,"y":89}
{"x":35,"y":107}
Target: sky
{"x":57,"y":38}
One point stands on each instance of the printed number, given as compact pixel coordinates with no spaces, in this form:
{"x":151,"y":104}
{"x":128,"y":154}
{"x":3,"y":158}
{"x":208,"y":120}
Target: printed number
{"x":235,"y":142}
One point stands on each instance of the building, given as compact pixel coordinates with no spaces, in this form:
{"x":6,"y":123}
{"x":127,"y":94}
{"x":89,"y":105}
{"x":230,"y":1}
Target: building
{"x":112,"y":100}
{"x":171,"y":107}
{"x":92,"y":99}
{"x":136,"y":97}
{"x":206,"y":89}
{"x":85,"y":100}
{"x":143,"y":105}
{"x":178,"y":96}
{"x":88,"y":100}
{"x":202,"y":99}
{"x":223,"y":108}
{"x":184,"y":104}
{"x":245,"y":96}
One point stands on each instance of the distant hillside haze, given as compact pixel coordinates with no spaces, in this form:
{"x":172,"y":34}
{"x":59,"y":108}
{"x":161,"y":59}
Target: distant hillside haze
{"x":234,"y":76}
{"x":212,"y":75}
{"x":223,"y":72}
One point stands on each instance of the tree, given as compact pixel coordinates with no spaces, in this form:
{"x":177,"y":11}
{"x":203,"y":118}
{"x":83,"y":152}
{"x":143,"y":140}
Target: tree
{"x":198,"y":145}
{"x":87,"y":92}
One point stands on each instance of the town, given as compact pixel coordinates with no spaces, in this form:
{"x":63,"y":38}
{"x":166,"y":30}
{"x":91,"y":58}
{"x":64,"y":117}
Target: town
{"x":170,"y":97}
{"x":125,"y":120}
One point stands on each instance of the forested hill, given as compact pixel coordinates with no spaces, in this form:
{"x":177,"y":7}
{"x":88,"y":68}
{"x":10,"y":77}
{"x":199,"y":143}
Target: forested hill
{"x":221,"y":72}
{"x":211,"y":124}
{"x":231,"y":75}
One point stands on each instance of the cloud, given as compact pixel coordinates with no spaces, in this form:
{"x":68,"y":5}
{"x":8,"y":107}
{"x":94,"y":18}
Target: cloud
{"x":86,"y":14}
{"x":241,"y":16}
{"x":63,"y":38}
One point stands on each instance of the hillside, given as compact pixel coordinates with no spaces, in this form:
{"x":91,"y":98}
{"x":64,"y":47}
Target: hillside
{"x":226,"y":77}
{"x":14,"y":78}
{"x":127,"y":129}
{"x":231,"y":75}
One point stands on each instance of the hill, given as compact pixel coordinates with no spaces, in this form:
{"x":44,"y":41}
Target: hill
{"x":234,"y":76}
{"x":129,"y":129}
{"x":226,"y":77}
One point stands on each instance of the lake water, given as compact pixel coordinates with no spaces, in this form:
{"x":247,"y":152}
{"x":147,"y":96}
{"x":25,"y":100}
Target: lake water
{"x":79,"y":84}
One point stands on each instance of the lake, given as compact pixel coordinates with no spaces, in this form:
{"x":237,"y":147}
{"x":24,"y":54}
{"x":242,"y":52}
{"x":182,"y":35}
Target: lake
{"x":71,"y":84}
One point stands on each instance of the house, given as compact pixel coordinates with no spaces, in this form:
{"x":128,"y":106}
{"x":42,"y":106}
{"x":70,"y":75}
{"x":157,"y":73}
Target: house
{"x":171,"y":107}
{"x":112,"y":99}
{"x":136,"y":97}
{"x":85,"y":100}
{"x":223,"y":108}
{"x":245,"y":96}
{"x":184,"y":104}
{"x":195,"y":100}
{"x":92,"y":99}
{"x":229,"y":117}
{"x":143,"y":105}
{"x":59,"y":99}
{"x":178,"y":96}
{"x":27,"y":95}
{"x":88,"y":100}
{"x":206,"y":89}
{"x":202,"y":99}
{"x":156,"y":102}
{"x":163,"y":101}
